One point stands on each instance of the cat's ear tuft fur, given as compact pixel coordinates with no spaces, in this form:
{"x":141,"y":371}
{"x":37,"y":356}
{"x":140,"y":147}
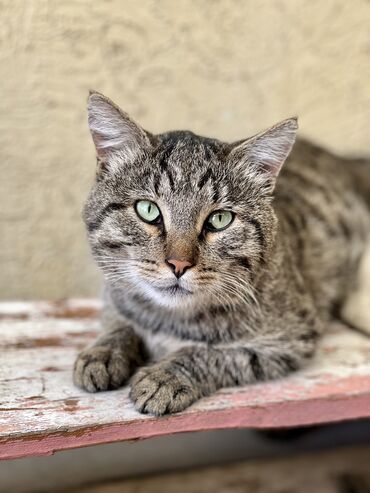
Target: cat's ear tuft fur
{"x":113,"y":130}
{"x":266,"y":152}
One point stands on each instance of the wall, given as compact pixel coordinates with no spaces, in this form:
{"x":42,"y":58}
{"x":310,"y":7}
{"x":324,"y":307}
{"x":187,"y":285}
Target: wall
{"x":222,"y":68}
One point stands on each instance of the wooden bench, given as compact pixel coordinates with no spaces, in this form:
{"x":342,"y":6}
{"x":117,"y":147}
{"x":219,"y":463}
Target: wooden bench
{"x":42,"y":412}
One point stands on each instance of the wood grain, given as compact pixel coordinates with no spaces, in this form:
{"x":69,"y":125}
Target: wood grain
{"x":42,"y":412}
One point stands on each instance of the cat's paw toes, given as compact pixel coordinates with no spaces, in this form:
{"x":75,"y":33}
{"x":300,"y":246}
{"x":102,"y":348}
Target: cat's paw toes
{"x":159,"y":390}
{"x":101,"y":368}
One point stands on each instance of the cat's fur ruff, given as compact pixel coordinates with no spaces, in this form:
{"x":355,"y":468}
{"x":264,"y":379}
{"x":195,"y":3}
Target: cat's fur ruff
{"x":262,"y":290}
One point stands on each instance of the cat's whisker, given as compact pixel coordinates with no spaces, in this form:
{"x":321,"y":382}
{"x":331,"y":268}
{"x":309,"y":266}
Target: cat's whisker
{"x":242,"y":295}
{"x":249,"y":289}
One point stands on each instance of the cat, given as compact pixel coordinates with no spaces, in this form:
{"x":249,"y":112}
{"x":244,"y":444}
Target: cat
{"x":219,"y":270}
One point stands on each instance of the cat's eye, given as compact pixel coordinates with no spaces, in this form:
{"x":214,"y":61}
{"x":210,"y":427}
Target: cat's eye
{"x":219,"y":220}
{"x":148,"y":211}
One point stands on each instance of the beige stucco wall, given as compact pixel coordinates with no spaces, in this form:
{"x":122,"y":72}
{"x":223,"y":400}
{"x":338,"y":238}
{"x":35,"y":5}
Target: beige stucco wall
{"x":222,"y":68}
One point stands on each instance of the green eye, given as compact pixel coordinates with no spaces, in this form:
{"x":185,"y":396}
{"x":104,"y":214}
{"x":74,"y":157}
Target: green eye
{"x":148,"y":211}
{"x":219,"y":220}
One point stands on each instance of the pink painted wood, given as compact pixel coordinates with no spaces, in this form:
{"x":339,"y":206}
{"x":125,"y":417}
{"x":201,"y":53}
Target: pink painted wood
{"x":42,"y":412}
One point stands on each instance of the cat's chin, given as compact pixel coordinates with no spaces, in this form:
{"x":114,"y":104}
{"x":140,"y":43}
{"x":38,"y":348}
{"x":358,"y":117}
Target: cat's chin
{"x":173,"y":296}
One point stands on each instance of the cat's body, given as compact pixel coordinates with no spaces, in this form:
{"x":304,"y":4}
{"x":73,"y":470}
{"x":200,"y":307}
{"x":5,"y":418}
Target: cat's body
{"x":253,"y":296}
{"x":323,"y":210}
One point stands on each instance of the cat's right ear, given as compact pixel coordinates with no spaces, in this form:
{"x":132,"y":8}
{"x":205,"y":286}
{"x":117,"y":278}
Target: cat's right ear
{"x":264,"y":154}
{"x":113,"y":131}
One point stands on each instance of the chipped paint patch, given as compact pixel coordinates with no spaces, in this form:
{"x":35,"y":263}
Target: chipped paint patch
{"x":41,"y":411}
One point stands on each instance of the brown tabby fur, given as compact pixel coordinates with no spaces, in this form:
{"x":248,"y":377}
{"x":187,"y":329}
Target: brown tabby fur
{"x":258,"y":294}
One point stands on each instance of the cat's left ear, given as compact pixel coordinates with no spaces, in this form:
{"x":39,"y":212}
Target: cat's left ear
{"x":113,"y":130}
{"x":265,"y":153}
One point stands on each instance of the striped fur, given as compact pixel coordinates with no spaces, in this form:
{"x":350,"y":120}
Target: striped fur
{"x":260,"y":292}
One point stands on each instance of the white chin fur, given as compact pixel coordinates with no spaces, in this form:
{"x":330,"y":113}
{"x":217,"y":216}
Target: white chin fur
{"x":167,"y":300}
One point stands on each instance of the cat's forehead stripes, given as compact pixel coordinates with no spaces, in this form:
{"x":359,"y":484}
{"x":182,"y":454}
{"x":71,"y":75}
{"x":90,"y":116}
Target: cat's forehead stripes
{"x":185,"y":162}
{"x":187,"y":151}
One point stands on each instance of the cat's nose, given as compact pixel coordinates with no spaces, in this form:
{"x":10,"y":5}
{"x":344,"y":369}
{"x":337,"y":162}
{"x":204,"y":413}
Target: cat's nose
{"x":178,"y":266}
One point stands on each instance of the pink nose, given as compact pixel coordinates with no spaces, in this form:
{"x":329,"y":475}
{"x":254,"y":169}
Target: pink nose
{"x":178,"y":266}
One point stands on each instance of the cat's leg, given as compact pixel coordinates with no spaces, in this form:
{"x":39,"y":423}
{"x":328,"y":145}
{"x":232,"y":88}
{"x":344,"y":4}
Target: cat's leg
{"x":110,"y":362}
{"x":197,"y":371}
{"x":115,"y":355}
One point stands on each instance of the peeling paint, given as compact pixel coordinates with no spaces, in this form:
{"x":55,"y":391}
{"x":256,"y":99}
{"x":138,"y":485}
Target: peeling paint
{"x":41,"y":411}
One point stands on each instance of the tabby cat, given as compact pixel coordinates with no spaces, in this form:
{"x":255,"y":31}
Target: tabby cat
{"x":216,"y":272}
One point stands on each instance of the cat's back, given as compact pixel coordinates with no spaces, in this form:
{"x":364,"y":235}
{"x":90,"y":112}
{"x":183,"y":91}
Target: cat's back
{"x":324,"y":218}
{"x":310,"y":189}
{"x":314,"y":175}
{"x":308,"y":167}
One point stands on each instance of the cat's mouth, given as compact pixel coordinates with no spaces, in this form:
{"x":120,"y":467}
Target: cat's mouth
{"x":175,"y":289}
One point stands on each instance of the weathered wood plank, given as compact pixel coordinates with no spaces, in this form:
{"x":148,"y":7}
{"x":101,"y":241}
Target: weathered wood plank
{"x":42,"y":412}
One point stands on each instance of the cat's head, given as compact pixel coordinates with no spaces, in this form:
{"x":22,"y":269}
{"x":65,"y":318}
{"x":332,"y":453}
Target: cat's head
{"x":182,"y":220}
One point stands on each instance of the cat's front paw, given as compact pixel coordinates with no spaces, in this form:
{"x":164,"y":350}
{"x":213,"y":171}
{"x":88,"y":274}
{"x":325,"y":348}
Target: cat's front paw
{"x":160,"y":390}
{"x":101,"y":368}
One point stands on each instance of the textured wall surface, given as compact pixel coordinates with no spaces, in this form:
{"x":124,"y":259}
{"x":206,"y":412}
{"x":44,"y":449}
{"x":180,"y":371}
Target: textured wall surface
{"x":223,"y":68}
